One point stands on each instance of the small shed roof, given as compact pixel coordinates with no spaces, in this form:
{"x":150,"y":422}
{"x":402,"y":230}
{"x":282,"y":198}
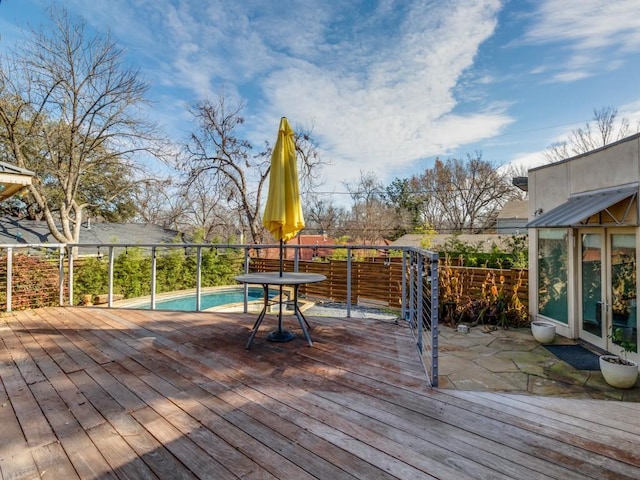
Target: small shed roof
{"x":13,"y":179}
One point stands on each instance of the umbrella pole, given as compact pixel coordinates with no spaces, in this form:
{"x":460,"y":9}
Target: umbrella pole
{"x":280,"y":335}
{"x":281,"y":257}
{"x":280,"y":314}
{"x":281,"y":273}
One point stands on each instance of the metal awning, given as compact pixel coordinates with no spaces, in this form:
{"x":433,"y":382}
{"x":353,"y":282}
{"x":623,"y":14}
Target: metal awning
{"x":579,"y":208}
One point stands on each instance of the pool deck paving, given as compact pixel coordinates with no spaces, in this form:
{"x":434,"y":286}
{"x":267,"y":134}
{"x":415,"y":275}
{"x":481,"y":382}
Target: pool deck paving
{"x":488,"y":359}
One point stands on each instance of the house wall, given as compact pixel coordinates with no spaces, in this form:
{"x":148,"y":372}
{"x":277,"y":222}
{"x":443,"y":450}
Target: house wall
{"x":549,"y":186}
{"x":607,"y":167}
{"x":610,"y":166}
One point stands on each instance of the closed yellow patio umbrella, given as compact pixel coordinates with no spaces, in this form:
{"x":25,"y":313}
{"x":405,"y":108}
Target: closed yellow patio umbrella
{"x":283,"y":211}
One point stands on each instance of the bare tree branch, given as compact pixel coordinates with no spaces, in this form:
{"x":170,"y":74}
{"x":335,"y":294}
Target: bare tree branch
{"x":218,"y":151}
{"x":603,"y":130}
{"x":69,"y":111}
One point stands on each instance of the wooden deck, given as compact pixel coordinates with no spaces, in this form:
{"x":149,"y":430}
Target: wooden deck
{"x":97,"y":393}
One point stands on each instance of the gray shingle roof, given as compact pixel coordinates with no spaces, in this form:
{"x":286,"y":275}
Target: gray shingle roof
{"x":20,"y":231}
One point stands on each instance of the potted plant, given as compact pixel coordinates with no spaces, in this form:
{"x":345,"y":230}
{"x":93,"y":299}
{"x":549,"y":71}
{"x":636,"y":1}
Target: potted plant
{"x":620,"y":372}
{"x":543,"y":332}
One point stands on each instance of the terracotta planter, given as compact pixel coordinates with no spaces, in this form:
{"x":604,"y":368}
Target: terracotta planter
{"x":543,"y":332}
{"x":618,"y":375}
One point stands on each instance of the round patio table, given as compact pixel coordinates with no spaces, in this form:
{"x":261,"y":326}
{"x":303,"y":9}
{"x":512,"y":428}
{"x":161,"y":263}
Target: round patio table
{"x":293,"y":279}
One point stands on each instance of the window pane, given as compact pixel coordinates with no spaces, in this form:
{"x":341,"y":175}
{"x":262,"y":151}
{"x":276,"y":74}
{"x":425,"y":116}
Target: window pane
{"x":592,"y":283}
{"x":623,"y":290}
{"x":552,"y":274}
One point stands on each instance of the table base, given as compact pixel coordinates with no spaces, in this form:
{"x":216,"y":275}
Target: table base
{"x":294,"y":279}
{"x":281,"y":336}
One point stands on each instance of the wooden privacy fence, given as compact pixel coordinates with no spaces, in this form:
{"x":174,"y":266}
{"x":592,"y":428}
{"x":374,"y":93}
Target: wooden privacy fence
{"x":374,"y":281}
{"x":379,"y":280}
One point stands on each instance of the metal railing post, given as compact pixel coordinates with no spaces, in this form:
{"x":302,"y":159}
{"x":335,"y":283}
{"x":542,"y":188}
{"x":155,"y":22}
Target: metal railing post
{"x":434,"y":318}
{"x":198,"y":278}
{"x":9,"y":276}
{"x":110,"y":293}
{"x":403,"y":296}
{"x":245,"y":307}
{"x":348,"y":282}
{"x":61,"y":276}
{"x":153,"y":278}
{"x":419,"y":309}
{"x":70,"y":253}
{"x":412,"y":288}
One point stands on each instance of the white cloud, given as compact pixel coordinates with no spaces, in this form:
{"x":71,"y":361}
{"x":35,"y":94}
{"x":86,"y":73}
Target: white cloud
{"x":386,"y":110}
{"x":570,"y":76}
{"x":379,"y":86}
{"x":588,"y":24}
{"x":525,"y":161}
{"x":595,"y":34}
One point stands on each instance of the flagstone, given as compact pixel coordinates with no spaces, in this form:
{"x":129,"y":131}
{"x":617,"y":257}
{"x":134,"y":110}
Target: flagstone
{"x":565,"y":373}
{"x":546,"y":386}
{"x":497,"y":364}
{"x":477,"y":378}
{"x":511,"y":360}
{"x":519,"y":380}
{"x":451,"y":364}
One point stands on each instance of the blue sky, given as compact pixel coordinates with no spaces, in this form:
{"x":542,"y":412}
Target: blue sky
{"x":388,"y":86}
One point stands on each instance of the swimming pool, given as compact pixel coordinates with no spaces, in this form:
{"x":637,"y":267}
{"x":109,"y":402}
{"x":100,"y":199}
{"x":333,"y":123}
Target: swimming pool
{"x":209,"y":299}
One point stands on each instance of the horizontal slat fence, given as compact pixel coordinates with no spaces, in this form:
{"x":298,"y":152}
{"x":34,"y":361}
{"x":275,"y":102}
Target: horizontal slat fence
{"x":373,"y":279}
{"x":381,"y":279}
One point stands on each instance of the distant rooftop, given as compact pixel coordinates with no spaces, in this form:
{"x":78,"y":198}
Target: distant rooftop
{"x":16,"y":231}
{"x":437,"y":242}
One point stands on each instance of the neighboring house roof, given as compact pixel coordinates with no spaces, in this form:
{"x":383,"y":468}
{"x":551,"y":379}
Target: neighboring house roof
{"x":515,"y":209}
{"x":13,"y":179}
{"x":513,"y":217}
{"x":316,"y":241}
{"x":438,"y":241}
{"x":17,"y":231}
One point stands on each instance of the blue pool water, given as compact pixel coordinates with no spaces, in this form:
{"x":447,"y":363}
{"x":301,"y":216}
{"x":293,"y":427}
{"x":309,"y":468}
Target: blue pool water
{"x":187,"y":303}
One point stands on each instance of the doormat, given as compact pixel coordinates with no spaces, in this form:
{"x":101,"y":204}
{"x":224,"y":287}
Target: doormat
{"x":576,"y":355}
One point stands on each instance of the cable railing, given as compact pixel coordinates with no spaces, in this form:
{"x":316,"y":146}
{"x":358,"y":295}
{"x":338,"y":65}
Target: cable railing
{"x":422,"y":313}
{"x":403,"y":279}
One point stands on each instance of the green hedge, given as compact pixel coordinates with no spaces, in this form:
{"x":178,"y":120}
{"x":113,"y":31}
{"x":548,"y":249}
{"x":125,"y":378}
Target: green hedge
{"x":176,"y":269}
{"x":514,"y":255}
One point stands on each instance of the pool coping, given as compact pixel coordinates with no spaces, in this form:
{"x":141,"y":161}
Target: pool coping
{"x":233,"y":307}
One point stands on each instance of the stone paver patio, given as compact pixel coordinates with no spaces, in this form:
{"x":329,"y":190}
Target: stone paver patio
{"x":512,"y":361}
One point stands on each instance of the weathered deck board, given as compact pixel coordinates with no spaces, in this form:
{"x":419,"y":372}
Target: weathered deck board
{"x":99,"y":393}
{"x":15,"y":459}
